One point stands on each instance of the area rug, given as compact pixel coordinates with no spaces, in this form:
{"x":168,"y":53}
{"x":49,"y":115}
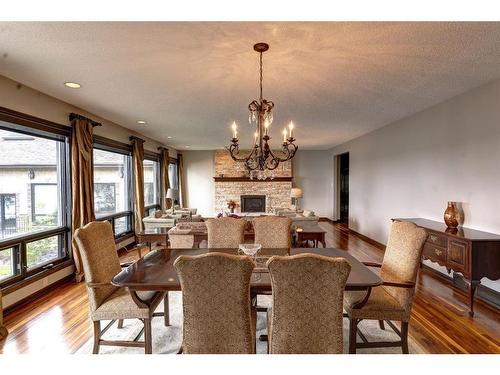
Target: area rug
{"x":167,"y":340}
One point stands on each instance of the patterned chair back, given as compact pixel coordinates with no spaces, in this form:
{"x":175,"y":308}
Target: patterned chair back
{"x":216,"y":303}
{"x":307,"y":309}
{"x":225,"y":232}
{"x":402,"y":260}
{"x":273,"y":231}
{"x":96,"y":244}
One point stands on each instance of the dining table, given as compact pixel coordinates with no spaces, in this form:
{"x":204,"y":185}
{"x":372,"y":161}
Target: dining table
{"x":155,"y":271}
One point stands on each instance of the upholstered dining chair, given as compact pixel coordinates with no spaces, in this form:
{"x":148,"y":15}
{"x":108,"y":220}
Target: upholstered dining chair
{"x":393,"y":300}
{"x":273,"y":231}
{"x":225,"y":232}
{"x":306,"y":316}
{"x":96,"y":244}
{"x":218,"y":316}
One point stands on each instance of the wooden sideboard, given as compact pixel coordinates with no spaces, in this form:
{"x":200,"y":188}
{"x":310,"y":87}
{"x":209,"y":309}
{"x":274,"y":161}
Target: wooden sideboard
{"x":473,"y":253}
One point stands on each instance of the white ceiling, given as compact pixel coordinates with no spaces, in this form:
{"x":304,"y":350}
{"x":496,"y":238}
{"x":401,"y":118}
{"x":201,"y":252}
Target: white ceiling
{"x":190,"y":80}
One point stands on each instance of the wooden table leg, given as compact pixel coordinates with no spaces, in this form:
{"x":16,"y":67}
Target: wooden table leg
{"x":472,"y":291}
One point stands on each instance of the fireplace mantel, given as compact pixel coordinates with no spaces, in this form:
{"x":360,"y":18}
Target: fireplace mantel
{"x":243,"y":179}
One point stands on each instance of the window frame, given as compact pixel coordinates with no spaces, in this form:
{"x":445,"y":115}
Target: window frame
{"x":104,"y":144}
{"x":32,"y":126}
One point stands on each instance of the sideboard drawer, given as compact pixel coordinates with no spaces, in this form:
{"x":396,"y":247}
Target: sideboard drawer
{"x":458,"y":255}
{"x":435,"y":253}
{"x":437,"y":239}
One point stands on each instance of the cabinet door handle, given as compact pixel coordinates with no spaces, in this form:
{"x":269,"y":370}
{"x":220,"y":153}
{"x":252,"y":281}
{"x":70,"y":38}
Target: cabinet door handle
{"x":438,"y":252}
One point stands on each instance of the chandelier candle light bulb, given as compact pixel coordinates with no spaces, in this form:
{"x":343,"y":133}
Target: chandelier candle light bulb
{"x":235,"y":131}
{"x":284,"y":135}
{"x":290,"y":126}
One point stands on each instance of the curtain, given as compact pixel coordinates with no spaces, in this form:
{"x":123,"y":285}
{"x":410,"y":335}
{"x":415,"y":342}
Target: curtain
{"x":138,"y":164}
{"x":182,"y":187}
{"x":164,"y":181}
{"x":82,"y":182}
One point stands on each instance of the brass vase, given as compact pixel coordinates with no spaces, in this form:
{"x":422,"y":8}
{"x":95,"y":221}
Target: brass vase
{"x":452,"y":215}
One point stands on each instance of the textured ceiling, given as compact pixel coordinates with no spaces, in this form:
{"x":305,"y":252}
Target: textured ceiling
{"x":190,"y":80}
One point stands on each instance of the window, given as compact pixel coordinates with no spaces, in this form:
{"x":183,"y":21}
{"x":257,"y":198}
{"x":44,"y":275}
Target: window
{"x":44,"y":204}
{"x":151,"y":185}
{"x":8,"y":263}
{"x":7,"y":213}
{"x":173,"y":177}
{"x":34,"y":200}
{"x":105,"y":198}
{"x":113,"y":188}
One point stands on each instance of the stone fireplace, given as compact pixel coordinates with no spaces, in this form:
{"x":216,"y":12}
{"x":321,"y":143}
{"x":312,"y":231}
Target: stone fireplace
{"x":232,"y":183}
{"x":253,"y":203}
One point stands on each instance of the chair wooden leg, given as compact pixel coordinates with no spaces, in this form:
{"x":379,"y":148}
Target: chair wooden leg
{"x":166,"y":310}
{"x":120,"y":323}
{"x":353,"y":327}
{"x":148,"y":347}
{"x":97,"y":337}
{"x":381,"y":324}
{"x":404,"y":337}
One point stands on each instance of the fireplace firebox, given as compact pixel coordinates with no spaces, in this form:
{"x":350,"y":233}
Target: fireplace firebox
{"x":253,"y":203}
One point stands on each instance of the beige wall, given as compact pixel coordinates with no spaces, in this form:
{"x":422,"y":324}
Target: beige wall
{"x":26,"y":100}
{"x":412,"y":167}
{"x":199,"y":178}
{"x":313,"y":173}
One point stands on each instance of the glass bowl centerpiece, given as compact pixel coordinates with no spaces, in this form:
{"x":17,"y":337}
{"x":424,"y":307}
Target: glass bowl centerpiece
{"x":250,"y":249}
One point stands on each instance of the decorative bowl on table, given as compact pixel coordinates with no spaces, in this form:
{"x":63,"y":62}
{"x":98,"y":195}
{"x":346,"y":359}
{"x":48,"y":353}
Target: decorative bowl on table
{"x":250,"y":249}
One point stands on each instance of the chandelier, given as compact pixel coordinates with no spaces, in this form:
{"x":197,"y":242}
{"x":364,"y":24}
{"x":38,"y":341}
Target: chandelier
{"x":261,"y":160}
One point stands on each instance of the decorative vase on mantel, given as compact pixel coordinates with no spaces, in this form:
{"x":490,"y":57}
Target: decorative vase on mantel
{"x":452,"y":215}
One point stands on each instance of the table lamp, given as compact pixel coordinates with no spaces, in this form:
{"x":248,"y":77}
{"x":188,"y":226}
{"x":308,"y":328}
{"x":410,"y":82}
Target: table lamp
{"x":295,"y":194}
{"x":173,"y":195}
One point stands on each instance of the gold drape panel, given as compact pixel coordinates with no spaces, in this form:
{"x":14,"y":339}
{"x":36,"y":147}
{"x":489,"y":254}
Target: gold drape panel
{"x":138,"y":163}
{"x":82,"y":182}
{"x":182,"y":187}
{"x":164,"y":181}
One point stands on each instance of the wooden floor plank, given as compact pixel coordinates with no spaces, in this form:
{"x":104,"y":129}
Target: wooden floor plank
{"x":58,"y":322}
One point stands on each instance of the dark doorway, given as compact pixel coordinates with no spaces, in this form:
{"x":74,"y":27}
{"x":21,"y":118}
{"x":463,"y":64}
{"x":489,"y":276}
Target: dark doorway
{"x":344,"y":187}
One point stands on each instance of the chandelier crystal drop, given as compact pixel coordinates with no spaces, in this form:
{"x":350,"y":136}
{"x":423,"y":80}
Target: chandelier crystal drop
{"x":261,"y":160}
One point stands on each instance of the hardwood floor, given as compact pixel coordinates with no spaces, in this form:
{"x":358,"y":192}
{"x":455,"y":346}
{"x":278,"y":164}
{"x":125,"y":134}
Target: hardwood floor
{"x":58,"y":323}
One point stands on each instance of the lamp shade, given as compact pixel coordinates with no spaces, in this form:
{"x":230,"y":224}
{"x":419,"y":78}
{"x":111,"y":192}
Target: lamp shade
{"x":172,"y":193}
{"x":296,"y":193}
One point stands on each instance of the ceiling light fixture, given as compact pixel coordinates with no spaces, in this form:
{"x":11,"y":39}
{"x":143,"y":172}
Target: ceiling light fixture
{"x":262,"y":161}
{"x":142,"y":122}
{"x":169,"y":137}
{"x":72,"y":85}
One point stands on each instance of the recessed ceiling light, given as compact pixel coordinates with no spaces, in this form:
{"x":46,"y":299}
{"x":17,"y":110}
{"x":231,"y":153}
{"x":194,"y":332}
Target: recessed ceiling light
{"x":169,"y":137}
{"x":142,"y":122}
{"x":188,"y":146}
{"x":72,"y":85}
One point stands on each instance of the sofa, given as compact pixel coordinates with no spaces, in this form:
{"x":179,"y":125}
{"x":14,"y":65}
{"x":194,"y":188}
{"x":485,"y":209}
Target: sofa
{"x":298,"y":217}
{"x":168,"y":220}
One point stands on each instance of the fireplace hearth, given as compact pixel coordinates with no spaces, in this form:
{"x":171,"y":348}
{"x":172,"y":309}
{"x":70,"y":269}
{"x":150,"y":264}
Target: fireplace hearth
{"x":253,"y":203}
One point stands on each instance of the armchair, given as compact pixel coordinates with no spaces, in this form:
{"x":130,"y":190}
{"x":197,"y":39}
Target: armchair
{"x":392,"y":301}
{"x":100,"y":262}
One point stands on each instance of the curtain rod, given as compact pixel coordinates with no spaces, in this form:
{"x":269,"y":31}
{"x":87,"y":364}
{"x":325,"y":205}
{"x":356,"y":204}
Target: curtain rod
{"x":73,"y":116}
{"x":134,"y":138}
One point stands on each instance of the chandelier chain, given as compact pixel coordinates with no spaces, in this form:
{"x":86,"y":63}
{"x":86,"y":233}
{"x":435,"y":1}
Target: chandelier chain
{"x":261,"y":77}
